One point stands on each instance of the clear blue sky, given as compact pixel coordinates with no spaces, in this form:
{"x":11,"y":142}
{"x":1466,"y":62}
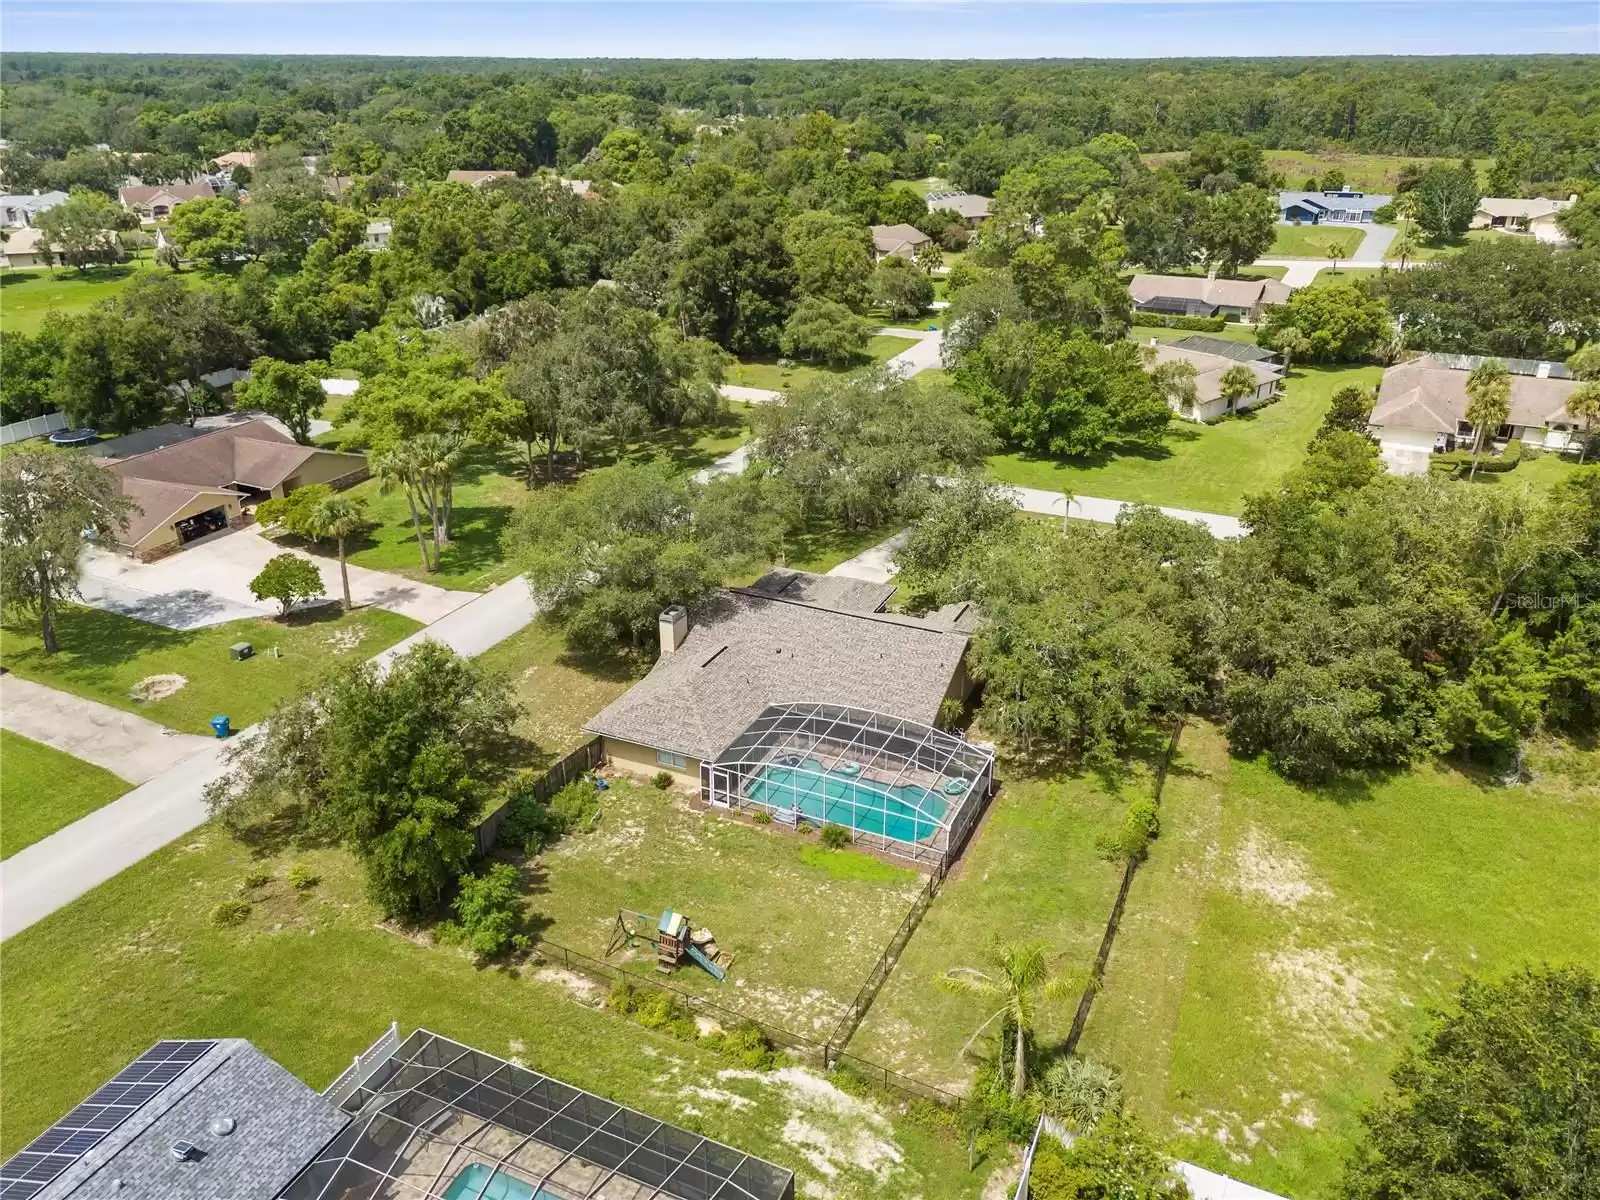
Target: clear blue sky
{"x":809,"y":28}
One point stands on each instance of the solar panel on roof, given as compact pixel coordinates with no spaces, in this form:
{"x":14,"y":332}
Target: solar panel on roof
{"x":27,"y":1172}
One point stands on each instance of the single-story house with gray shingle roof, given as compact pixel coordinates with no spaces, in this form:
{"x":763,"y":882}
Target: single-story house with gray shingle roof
{"x":748,"y":649}
{"x":971,"y":208}
{"x":1324,"y":208}
{"x":831,"y":591}
{"x":1192,"y":296}
{"x":900,"y":241}
{"x":18,"y":212}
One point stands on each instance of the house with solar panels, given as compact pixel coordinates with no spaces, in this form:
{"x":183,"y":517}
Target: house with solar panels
{"x":802,"y":697}
{"x":425,"y":1118}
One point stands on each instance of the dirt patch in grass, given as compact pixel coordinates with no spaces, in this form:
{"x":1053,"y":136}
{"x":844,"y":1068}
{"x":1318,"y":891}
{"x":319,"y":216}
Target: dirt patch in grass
{"x":578,"y":987}
{"x":1268,"y":870}
{"x":1326,"y":996}
{"x":157,"y":687}
{"x":347,"y":639}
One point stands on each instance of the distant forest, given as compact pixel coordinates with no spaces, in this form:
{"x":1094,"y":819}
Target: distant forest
{"x":420,"y":117}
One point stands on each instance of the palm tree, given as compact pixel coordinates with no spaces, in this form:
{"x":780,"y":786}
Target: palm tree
{"x":1019,"y":979}
{"x":1584,"y":404}
{"x":1291,"y":343}
{"x":1333,"y":253}
{"x":395,"y":468}
{"x":338,"y":517}
{"x":1405,"y":248}
{"x":1237,"y":382}
{"x":1488,"y":403}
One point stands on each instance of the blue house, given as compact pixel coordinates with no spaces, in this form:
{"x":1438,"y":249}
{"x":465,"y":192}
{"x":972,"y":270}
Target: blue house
{"x":1324,"y":208}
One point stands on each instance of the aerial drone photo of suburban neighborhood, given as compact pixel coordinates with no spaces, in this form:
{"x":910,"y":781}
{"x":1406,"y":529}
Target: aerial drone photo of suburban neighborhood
{"x":750,"y":601}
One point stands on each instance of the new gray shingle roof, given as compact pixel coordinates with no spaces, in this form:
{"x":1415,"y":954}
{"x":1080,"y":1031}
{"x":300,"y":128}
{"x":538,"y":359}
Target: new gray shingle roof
{"x":279,"y":1125}
{"x":829,"y":591}
{"x":746,"y":651}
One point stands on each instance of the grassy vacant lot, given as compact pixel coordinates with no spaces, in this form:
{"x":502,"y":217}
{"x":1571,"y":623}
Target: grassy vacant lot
{"x":1313,"y":241}
{"x":1363,"y":172}
{"x":489,"y":485}
{"x":1282,"y":945}
{"x":766,"y":373}
{"x":103,"y":656}
{"x":804,"y":924}
{"x":1210,"y":468}
{"x":311,"y":978}
{"x":26,"y":296}
{"x":1428,"y":249}
{"x":1031,"y":873}
{"x":42,"y":790}
{"x":1346,"y":274}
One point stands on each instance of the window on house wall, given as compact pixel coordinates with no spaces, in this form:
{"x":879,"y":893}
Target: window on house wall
{"x":667,"y":758}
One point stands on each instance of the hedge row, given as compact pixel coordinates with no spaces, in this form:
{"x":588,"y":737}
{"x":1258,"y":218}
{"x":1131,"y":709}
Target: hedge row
{"x":1197,"y":324}
{"x":1459,"y":462}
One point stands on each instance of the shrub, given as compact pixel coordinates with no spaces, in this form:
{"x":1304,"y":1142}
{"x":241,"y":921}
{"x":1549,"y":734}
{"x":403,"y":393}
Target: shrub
{"x":302,"y":878}
{"x":750,"y":1047}
{"x":762,"y":816}
{"x":623,"y":996}
{"x":1196,"y":324}
{"x":661,"y":781}
{"x":230,"y":912}
{"x":1459,"y":462}
{"x":257,"y":879}
{"x":576,"y":806}
{"x":1141,"y":825}
{"x":660,"y":1010}
{"x":1079,"y":1091}
{"x":488,"y":909}
{"x":835,"y":837}
{"x":1385,"y":214}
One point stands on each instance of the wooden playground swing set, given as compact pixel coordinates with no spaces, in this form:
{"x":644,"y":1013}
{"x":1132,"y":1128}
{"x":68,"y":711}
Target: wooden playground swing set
{"x":674,"y":939}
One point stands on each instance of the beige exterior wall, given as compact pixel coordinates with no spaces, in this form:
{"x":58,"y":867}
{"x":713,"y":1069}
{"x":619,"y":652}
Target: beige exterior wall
{"x":640,"y":761}
{"x":323,"y":467}
{"x":164,"y":540}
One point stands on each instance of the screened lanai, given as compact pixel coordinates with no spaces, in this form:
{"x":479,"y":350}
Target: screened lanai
{"x":898,"y":786}
{"x":441,"y":1121}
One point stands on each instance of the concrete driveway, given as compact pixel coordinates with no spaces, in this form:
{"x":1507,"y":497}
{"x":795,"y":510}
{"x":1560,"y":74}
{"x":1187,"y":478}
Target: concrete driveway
{"x":924,"y":356}
{"x":122,"y":742}
{"x":209,"y":583}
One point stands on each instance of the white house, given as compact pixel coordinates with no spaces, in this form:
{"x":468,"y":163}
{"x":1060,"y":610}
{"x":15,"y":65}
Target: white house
{"x":18,"y":212}
{"x":1422,"y":409}
{"x":377,"y":235}
{"x":1209,"y":369}
{"x":1536,"y":216}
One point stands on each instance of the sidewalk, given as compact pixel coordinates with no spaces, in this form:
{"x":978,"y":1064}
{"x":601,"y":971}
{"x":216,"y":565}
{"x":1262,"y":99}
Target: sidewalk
{"x":49,"y":874}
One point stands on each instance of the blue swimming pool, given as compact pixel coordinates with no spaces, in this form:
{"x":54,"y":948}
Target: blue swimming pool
{"x":469,"y":1185}
{"x":903,"y":812}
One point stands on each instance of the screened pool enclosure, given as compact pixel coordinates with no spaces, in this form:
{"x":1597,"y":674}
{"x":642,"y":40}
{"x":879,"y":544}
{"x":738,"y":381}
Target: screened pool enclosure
{"x":898,"y":786}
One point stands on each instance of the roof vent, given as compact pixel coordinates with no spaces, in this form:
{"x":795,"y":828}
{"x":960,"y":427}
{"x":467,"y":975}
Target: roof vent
{"x":221,"y":1126}
{"x":184,"y":1151}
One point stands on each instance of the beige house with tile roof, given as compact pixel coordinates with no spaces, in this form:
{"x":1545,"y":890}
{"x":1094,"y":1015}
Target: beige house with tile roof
{"x":898,"y":241}
{"x":1193,"y":296}
{"x":1209,"y":370}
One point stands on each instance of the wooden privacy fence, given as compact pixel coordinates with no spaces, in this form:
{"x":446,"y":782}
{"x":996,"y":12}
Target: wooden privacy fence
{"x":581,"y":761}
{"x":1098,"y":971}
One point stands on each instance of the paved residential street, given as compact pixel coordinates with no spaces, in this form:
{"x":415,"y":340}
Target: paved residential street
{"x":925,"y":355}
{"x":53,"y":872}
{"x":124,"y":743}
{"x":209,"y":583}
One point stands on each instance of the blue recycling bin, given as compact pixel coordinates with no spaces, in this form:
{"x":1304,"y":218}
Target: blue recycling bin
{"x":220,"y":726}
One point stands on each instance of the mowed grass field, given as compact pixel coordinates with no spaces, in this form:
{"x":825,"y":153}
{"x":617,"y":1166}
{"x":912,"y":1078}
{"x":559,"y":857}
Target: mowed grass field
{"x":42,"y":790}
{"x":312,"y":977}
{"x":1314,"y":241}
{"x":1364,"y":172}
{"x":1210,"y":468}
{"x":104,"y":655}
{"x":27,"y":295}
{"x":804,"y":924}
{"x":1282,"y":946}
{"x":1428,"y":250}
{"x":766,"y":373}
{"x":1031,"y":873}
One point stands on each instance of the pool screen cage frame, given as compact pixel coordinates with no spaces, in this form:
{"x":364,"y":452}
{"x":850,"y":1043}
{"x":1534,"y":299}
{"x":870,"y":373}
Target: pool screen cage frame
{"x":436,"y":1109}
{"x":874,"y":748}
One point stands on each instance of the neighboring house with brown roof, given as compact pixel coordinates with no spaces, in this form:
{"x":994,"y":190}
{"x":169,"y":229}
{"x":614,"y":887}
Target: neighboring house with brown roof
{"x":1422,"y":409}
{"x":155,"y":203}
{"x":1192,"y":296}
{"x":1209,"y":369}
{"x":753,"y":647}
{"x":194,"y":483}
{"x":1536,"y":216}
{"x":478,"y":178}
{"x":900,"y":241}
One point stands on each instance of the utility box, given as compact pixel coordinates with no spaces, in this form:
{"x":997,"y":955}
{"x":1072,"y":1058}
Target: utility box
{"x":240,"y":651}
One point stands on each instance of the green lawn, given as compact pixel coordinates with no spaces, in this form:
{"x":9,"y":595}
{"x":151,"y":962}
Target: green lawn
{"x":1363,"y":172}
{"x":1281,"y":946}
{"x":1313,"y":241}
{"x":311,"y":978}
{"x":1345,"y":274}
{"x":803,"y":926}
{"x":1210,"y":468}
{"x":104,"y":655}
{"x":1429,"y":250}
{"x":923,"y":186}
{"x":26,"y":296}
{"x":766,"y":373}
{"x":1249,"y":272}
{"x":1031,"y":873}
{"x":42,"y":790}
{"x":1230,"y":332}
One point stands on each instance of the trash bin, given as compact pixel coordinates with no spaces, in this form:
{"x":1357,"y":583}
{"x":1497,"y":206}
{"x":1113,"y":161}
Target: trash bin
{"x":220,"y":725}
